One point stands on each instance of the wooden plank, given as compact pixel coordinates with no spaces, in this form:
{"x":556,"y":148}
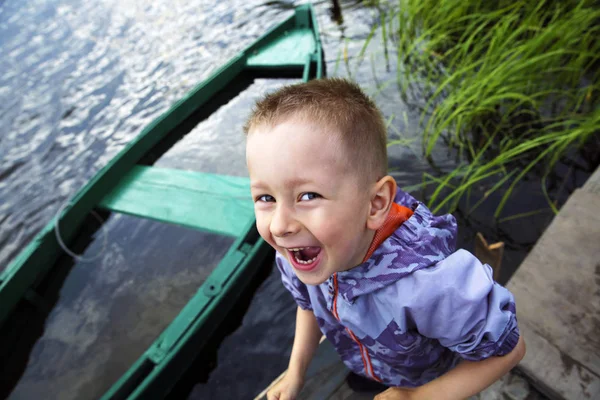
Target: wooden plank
{"x":560,"y":377}
{"x":490,"y":254}
{"x":592,"y":185}
{"x":289,"y":49}
{"x":557,"y":289}
{"x":215,"y":203}
{"x":344,"y":392}
{"x":325,"y":374}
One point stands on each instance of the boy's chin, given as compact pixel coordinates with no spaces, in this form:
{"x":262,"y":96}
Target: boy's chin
{"x":309,"y":278}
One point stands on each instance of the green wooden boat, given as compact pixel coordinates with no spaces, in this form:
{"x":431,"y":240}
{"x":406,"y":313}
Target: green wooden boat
{"x":129,"y":184}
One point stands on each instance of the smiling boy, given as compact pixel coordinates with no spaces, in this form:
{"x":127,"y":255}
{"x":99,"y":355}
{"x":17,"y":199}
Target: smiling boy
{"x":368,"y":265}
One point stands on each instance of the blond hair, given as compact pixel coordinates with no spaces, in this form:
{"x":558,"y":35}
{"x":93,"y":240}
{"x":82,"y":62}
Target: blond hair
{"x":335,"y":103}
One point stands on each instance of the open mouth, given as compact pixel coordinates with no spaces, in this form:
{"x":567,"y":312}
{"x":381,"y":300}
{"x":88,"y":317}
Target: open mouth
{"x":305,"y":257}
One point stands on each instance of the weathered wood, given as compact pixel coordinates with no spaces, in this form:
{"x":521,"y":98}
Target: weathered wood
{"x":574,"y":381}
{"x":215,"y":203}
{"x":593,"y":183}
{"x":557,"y":289}
{"x":289,"y":49}
{"x":325,"y":374}
{"x":490,"y":254}
{"x":345,"y":393}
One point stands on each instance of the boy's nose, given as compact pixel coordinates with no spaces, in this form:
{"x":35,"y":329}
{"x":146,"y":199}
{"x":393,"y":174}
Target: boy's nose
{"x":283,"y":223}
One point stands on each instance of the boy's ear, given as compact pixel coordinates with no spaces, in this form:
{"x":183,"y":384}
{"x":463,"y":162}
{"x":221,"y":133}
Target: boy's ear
{"x":382,"y":198}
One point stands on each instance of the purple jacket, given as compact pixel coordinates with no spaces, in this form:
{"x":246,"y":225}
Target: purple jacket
{"x":416,"y":306}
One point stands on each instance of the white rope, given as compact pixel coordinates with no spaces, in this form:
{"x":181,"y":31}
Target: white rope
{"x":62,"y":244}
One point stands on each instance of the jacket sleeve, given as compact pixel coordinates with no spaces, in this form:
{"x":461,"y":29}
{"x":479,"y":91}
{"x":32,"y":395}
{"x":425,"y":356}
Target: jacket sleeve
{"x":457,"y":302}
{"x":291,"y":282}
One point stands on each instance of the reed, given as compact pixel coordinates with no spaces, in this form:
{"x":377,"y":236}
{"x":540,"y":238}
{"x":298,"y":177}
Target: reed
{"x":512,"y":85}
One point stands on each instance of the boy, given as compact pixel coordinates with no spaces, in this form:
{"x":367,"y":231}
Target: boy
{"x":368,"y":265}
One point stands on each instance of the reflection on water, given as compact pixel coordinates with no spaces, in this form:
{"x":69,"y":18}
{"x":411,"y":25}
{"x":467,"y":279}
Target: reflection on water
{"x":217,"y":145}
{"x":110,"y":310}
{"x":256,"y":353}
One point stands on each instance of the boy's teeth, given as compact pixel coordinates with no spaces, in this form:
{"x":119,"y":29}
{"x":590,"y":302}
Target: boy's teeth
{"x":297,"y":255}
{"x":306,"y":262}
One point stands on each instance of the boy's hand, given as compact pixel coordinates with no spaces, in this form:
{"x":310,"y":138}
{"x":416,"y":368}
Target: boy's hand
{"x":287,"y":388}
{"x":396,"y":393}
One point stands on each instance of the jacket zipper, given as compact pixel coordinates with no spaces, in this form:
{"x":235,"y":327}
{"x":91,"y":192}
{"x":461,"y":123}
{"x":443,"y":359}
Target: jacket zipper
{"x":363,"y":351}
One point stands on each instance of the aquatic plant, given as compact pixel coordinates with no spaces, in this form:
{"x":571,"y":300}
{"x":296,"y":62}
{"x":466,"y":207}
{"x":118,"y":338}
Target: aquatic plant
{"x":512,"y":85}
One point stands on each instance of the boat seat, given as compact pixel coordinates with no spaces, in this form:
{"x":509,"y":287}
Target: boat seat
{"x":289,"y":49}
{"x":216,"y":203}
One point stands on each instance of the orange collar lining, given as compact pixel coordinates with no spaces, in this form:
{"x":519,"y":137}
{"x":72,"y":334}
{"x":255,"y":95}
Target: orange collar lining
{"x":398,"y":214}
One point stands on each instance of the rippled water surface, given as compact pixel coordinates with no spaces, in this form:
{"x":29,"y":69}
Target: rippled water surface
{"x":78,"y":81}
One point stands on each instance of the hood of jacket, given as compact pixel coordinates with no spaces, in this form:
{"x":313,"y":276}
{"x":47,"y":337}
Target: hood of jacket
{"x":421,"y":241}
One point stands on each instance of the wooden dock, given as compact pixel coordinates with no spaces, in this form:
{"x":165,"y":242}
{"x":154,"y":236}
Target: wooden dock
{"x":557,"y":289}
{"x":325,"y":378}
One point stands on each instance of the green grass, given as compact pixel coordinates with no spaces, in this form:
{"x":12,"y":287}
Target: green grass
{"x":512,"y":85}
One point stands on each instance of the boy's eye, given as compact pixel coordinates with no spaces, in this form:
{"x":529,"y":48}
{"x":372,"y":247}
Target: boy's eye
{"x":266,"y":198}
{"x":309,"y":196}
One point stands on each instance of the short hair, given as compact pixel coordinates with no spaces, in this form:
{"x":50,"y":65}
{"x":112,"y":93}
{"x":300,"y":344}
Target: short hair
{"x":337,"y":103}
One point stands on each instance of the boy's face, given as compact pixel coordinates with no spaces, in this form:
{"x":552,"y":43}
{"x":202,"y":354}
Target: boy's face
{"x":310,"y":205}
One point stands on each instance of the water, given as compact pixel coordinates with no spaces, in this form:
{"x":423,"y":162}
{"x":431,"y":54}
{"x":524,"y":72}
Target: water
{"x":78,"y":81}
{"x":111,"y":309}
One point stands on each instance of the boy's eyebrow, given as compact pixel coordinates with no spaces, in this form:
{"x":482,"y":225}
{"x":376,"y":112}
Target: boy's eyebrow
{"x":298,"y":181}
{"x":289,"y":182}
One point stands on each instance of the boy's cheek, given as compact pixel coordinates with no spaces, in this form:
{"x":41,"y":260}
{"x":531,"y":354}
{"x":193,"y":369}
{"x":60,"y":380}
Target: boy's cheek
{"x":263,"y":231}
